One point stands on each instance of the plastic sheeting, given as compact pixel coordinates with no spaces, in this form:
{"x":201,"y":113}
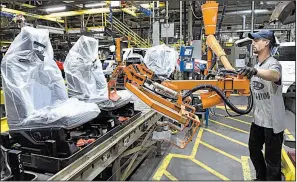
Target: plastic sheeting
{"x":161,"y":59}
{"x":35,"y":93}
{"x":85,"y":77}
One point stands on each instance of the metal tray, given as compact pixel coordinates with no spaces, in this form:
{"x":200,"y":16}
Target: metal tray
{"x":49,"y":164}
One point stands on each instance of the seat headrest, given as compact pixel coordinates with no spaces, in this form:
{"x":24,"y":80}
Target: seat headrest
{"x":31,"y":38}
{"x":87,"y":47}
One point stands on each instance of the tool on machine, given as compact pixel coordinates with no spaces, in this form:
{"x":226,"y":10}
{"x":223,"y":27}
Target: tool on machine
{"x":166,"y":96}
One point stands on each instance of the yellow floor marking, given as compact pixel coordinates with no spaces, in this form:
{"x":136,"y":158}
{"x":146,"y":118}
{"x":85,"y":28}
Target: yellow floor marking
{"x":289,"y":135}
{"x":4,"y":126}
{"x":2,"y":97}
{"x":229,"y":110}
{"x":238,"y":106}
{"x":220,"y":151}
{"x":226,"y":137}
{"x":246,"y":168}
{"x":210,"y":170}
{"x":160,"y":171}
{"x":240,"y":130}
{"x":196,"y":145}
{"x":170,"y":176}
{"x":235,"y":119}
{"x":288,"y":167}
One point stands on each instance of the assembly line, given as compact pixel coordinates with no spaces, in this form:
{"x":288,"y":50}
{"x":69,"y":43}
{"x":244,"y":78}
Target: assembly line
{"x":115,"y":101}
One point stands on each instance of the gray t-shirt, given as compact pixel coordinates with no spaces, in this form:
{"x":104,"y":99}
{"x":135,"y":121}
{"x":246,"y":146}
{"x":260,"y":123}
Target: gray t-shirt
{"x":269,"y":108}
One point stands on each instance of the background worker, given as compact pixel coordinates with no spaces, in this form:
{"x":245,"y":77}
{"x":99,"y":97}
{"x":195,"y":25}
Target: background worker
{"x":269,"y":110}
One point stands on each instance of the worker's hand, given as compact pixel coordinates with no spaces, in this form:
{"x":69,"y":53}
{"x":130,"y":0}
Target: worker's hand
{"x":248,"y":71}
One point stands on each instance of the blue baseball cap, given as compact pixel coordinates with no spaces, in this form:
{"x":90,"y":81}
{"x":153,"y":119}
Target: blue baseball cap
{"x":266,"y":34}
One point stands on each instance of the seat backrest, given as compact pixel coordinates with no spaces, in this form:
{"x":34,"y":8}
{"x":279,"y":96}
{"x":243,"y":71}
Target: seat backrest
{"x":31,"y":78}
{"x":84,"y":73}
{"x":161,"y":59}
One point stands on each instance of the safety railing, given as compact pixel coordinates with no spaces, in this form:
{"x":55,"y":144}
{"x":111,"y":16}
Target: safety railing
{"x":123,"y":29}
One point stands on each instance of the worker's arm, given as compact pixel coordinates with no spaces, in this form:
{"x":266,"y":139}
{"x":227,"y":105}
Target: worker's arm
{"x":273,"y":73}
{"x":269,"y":75}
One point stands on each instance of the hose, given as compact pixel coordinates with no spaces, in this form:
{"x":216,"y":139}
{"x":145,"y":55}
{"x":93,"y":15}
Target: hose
{"x":221,"y":20}
{"x":209,"y":75}
{"x":213,"y":62}
{"x":228,"y":71}
{"x":223,"y":96}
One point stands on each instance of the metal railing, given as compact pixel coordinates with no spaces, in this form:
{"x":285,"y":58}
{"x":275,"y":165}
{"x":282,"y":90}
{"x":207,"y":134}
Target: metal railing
{"x":123,"y":29}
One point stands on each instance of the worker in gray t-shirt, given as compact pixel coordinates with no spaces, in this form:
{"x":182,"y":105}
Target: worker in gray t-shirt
{"x":269,"y":110}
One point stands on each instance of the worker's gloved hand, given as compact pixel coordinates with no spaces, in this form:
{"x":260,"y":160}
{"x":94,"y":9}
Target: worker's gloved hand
{"x":248,"y":71}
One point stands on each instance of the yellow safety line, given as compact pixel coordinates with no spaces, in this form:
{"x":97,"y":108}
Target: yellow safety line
{"x":290,"y":136}
{"x":219,"y":175}
{"x":228,"y":126}
{"x":239,"y":120}
{"x":229,"y":110}
{"x":4,"y":125}
{"x":288,"y":168}
{"x":238,"y":106}
{"x":170,"y":176}
{"x":246,"y":168}
{"x":220,"y":151}
{"x":160,"y":171}
{"x":226,"y":137}
{"x":196,"y":145}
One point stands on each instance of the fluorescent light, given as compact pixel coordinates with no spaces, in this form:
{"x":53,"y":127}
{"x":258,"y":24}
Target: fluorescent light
{"x":257,"y":11}
{"x":94,"y":5}
{"x":60,"y":8}
{"x":115,"y":3}
{"x":86,"y":11}
{"x":80,"y":5}
{"x":272,"y":2}
{"x":146,"y":6}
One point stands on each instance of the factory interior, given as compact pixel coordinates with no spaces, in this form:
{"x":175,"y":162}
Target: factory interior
{"x":148,"y":90}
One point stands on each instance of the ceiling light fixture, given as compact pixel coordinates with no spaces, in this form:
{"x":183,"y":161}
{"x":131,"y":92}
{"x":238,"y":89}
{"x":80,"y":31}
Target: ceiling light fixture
{"x":94,"y":5}
{"x":147,"y":6}
{"x":257,"y":11}
{"x":60,"y":8}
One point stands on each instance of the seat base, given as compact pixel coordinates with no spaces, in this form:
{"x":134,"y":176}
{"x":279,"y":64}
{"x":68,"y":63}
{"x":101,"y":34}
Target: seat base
{"x":61,"y":142}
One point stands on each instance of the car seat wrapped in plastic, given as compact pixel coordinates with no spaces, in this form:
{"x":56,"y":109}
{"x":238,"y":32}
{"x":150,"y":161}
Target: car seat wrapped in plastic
{"x":161,"y":60}
{"x":85,"y":77}
{"x":35,"y":93}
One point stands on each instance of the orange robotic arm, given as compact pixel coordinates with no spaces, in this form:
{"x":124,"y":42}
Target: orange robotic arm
{"x":167,"y":98}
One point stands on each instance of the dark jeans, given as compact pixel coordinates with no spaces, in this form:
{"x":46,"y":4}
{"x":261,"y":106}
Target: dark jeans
{"x":269,"y":168}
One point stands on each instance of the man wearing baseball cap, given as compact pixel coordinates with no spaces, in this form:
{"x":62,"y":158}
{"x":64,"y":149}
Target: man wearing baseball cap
{"x":269,"y":110}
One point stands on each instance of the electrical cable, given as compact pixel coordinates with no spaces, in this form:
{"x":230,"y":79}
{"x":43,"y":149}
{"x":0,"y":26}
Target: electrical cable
{"x":209,"y":75}
{"x":193,"y":11}
{"x":230,"y":115}
{"x":223,"y":97}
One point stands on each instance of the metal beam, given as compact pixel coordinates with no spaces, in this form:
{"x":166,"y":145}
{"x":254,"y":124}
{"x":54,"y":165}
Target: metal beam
{"x":7,"y":10}
{"x":256,"y":30}
{"x":130,"y":12}
{"x":23,"y":4}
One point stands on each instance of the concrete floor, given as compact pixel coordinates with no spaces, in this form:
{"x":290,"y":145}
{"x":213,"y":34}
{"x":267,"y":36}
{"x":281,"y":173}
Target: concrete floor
{"x":218,"y":152}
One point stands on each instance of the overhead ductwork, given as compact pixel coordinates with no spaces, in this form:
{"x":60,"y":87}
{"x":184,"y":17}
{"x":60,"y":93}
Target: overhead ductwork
{"x":284,"y":12}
